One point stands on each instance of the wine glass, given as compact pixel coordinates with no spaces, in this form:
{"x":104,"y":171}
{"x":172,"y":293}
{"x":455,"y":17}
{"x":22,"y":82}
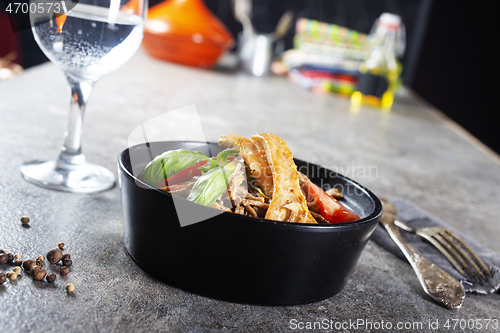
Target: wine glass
{"x":85,"y":39}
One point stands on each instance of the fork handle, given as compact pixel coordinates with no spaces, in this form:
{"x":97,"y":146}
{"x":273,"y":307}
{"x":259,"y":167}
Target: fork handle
{"x":439,"y":285}
{"x":405,"y":226}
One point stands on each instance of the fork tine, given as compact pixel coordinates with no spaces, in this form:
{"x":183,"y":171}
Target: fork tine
{"x":451,"y":250}
{"x":462,"y":252}
{"x":447,"y":254}
{"x":472,"y":253}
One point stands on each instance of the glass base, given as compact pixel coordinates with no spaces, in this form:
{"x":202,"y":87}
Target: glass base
{"x":62,"y":176}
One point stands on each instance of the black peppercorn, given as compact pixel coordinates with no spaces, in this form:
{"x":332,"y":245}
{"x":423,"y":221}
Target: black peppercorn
{"x":3,"y":277}
{"x":25,"y":220}
{"x":66,"y":256}
{"x":51,"y":278}
{"x":64,"y":271}
{"x":67,"y":262}
{"x":39,"y":262}
{"x":38,"y":273}
{"x":28,"y":264}
{"x":10,"y":258}
{"x":18,"y":262}
{"x":54,"y":255}
{"x":3,"y":258}
{"x":60,"y":245}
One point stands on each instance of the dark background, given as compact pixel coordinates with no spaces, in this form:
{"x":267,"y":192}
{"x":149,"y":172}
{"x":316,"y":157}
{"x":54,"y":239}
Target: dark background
{"x":449,"y":59}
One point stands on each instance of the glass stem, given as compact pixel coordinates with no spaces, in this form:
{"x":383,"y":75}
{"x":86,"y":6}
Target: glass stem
{"x":71,"y":151}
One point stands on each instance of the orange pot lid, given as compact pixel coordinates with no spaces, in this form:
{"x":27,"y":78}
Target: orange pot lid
{"x":190,"y":19}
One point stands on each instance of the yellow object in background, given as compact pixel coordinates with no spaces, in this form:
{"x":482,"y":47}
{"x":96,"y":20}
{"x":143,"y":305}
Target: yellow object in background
{"x":379,"y":79}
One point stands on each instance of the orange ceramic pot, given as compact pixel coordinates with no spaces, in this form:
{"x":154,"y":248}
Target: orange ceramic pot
{"x":185,"y":32}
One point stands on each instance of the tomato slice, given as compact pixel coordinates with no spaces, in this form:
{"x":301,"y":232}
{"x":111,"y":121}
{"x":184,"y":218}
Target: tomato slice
{"x":332,"y":210}
{"x":184,"y":175}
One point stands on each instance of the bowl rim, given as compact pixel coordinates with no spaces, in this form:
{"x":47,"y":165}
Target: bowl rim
{"x":375,"y":214}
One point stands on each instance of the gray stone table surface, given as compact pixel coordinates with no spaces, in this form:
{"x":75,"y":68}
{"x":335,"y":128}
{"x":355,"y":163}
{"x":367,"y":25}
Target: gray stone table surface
{"x":412,"y":152}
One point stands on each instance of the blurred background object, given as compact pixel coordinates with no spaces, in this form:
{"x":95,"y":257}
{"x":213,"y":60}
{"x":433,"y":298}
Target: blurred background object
{"x":257,"y":50}
{"x":380,"y":74}
{"x":185,"y":32}
{"x":325,"y":58}
{"x":448,"y":59}
{"x":242,"y":10}
{"x":8,"y":68}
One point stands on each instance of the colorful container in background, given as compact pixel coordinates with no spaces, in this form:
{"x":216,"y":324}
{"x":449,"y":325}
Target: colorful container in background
{"x":326,"y":57}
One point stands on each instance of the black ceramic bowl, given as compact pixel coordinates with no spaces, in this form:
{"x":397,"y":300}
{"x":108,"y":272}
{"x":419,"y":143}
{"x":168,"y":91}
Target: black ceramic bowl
{"x":237,"y":258}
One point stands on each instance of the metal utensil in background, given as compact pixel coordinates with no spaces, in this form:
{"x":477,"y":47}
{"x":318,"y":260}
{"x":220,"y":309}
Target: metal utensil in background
{"x":284,"y":24}
{"x":439,"y":285}
{"x":256,"y":52}
{"x":242,"y":10}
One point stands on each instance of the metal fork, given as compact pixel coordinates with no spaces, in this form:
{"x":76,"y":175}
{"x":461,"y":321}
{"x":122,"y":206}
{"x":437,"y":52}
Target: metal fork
{"x":438,"y":284}
{"x":454,"y":248}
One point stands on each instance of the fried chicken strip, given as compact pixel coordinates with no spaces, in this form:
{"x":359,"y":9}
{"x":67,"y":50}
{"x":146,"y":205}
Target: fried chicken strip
{"x":288,"y":202}
{"x":258,"y":164}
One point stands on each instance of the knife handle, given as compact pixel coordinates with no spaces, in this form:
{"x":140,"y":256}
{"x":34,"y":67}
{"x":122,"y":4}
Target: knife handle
{"x":438,"y":284}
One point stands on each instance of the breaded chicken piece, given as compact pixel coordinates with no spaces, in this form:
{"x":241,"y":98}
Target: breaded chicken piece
{"x":288,"y":202}
{"x":258,"y":164}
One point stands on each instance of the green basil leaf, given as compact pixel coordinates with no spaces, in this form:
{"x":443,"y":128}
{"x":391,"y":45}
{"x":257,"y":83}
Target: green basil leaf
{"x":213,"y":164}
{"x":224,"y":155}
{"x":170,"y":163}
{"x":205,"y":169}
{"x":212,"y":184}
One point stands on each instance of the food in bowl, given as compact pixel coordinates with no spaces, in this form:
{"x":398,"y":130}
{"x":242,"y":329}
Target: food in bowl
{"x":255,"y":177}
{"x":235,"y":257}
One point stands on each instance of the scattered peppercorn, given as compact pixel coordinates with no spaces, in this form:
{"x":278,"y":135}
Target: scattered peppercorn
{"x":25,"y":220}
{"x":70,"y":287}
{"x":66,"y":256}
{"x":67,"y":262}
{"x":3,"y":277}
{"x":64,"y":271}
{"x":60,"y":245}
{"x":17,"y":270}
{"x":28,"y":264}
{"x":3,"y":258}
{"x":51,"y":278}
{"x":54,"y":255}
{"x":10,"y":258}
{"x":42,"y":258}
{"x":17,"y":256}
{"x":39,"y":263}
{"x":18,"y":262}
{"x":12,"y":275}
{"x":38,"y":273}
